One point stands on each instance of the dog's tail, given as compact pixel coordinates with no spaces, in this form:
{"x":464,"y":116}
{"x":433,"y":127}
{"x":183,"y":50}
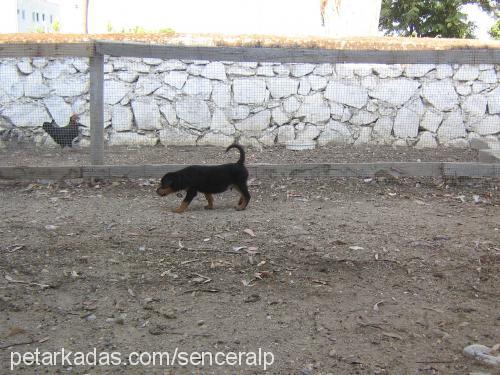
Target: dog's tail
{"x":241,"y":160}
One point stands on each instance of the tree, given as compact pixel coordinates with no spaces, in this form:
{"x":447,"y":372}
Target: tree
{"x":495,"y":30}
{"x":429,"y":18}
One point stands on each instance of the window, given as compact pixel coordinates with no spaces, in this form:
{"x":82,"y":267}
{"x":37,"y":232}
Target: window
{"x":37,"y":17}
{"x":51,"y":19}
{"x":34,"y":18}
{"x":43,"y":17}
{"x":23,"y":14}
{"x":18,"y":12}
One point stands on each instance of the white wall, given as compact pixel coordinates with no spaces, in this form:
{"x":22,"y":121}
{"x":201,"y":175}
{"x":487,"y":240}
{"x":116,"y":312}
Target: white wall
{"x":8,"y":20}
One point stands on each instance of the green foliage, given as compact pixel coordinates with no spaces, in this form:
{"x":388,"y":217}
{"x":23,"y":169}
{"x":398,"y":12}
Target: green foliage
{"x":495,"y":30}
{"x":137,"y":30}
{"x":166,"y":30}
{"x":109,"y":27}
{"x":56,"y":26}
{"x":429,"y":18}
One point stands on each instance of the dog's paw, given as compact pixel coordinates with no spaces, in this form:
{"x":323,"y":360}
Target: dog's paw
{"x":208,"y":207}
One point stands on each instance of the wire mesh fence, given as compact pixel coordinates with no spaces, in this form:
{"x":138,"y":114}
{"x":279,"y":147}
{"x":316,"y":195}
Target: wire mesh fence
{"x":171,"y":110}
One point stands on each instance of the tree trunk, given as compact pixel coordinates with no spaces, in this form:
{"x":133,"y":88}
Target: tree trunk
{"x":86,"y":16}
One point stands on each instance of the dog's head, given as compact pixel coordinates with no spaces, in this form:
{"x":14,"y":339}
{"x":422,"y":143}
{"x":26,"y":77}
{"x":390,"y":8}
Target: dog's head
{"x":168,"y":185}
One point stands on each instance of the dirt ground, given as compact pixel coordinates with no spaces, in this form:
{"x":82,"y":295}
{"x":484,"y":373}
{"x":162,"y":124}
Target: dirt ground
{"x":332,"y":276}
{"x":19,"y":154}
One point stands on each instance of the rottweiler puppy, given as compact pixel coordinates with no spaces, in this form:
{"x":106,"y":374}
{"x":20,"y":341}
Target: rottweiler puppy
{"x":208,"y":180}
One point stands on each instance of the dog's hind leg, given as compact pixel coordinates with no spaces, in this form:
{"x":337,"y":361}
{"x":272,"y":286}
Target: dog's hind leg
{"x":245,"y":196}
{"x":185,"y":203}
{"x":210,"y":200}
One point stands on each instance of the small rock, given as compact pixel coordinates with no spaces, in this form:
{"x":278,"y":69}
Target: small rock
{"x":482,"y":354}
{"x":156,"y":329}
{"x":168,"y":313}
{"x":252,"y":298}
{"x":90,"y":317}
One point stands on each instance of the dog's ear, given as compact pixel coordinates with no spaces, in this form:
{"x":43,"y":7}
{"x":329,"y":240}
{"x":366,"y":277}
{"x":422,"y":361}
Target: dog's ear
{"x":175,"y":182}
{"x":172,"y":181}
{"x":166,"y":180}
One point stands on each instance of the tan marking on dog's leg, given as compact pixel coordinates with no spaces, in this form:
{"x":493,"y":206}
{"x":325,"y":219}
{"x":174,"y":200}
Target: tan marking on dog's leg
{"x":210,"y":200}
{"x":182,"y":207}
{"x":242,"y":203}
{"x":241,"y":206}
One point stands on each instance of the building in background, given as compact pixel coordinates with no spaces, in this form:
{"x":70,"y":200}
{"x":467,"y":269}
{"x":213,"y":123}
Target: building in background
{"x":19,"y":16}
{"x":22,"y":16}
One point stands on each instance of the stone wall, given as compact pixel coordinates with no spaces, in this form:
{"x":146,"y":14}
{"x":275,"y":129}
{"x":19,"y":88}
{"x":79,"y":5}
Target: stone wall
{"x":150,"y":101}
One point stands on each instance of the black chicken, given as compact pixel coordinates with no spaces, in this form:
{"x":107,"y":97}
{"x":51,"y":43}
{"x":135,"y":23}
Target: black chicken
{"x":63,"y":136}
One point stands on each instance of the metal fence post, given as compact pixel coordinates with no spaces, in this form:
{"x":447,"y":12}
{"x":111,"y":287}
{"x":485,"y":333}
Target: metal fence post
{"x":97,"y":109}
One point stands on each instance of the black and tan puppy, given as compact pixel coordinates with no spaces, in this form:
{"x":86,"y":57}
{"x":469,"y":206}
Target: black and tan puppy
{"x":208,"y":180}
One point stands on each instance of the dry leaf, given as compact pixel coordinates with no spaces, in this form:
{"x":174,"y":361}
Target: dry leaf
{"x":356,"y":248}
{"x":198,"y":280}
{"x":16,"y":331}
{"x":321,"y":282}
{"x":249,"y":232}
{"x":375,"y":307}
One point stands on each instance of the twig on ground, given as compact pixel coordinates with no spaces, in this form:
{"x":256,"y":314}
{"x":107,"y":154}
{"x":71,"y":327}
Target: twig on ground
{"x":201,"y":290}
{"x":17,"y":344}
{"x":11,"y":280}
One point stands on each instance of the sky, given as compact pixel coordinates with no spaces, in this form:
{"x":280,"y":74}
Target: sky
{"x":483,"y":20}
{"x":288,"y":17}
{"x":279,"y":17}
{"x":291,"y":17}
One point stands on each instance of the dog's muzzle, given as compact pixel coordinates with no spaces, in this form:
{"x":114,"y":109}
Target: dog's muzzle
{"x":164,"y":191}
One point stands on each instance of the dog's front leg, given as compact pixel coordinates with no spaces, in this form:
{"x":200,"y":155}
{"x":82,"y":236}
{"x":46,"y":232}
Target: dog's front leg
{"x":210,"y":200}
{"x":185,"y":203}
